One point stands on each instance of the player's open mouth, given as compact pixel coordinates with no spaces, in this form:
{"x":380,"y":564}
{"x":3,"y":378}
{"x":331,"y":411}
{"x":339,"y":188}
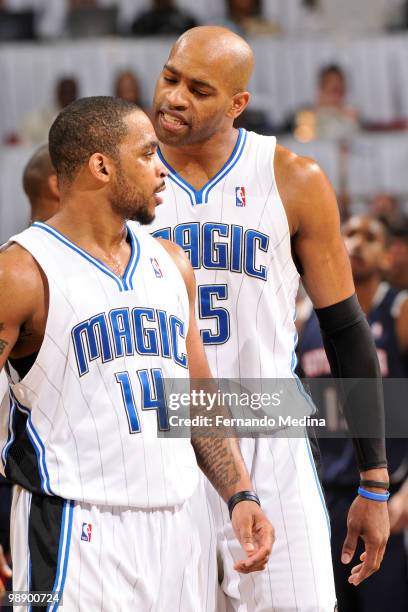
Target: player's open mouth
{"x":159,"y":199}
{"x":171,"y":122}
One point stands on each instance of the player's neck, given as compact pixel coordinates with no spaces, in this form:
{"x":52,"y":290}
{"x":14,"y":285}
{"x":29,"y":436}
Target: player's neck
{"x":90,"y":225}
{"x":366,"y":291}
{"x":198,"y":163}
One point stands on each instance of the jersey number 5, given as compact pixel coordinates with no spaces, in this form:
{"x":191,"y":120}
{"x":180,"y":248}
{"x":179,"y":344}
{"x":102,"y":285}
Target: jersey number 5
{"x":153,"y":397}
{"x":208,"y":309}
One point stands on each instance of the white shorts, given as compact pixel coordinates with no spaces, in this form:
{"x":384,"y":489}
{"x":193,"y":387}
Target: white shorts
{"x":109,"y":559}
{"x":299,"y":575}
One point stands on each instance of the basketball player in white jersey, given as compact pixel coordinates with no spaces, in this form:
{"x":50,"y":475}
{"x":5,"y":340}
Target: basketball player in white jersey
{"x":245,"y":209}
{"x":94,"y":317}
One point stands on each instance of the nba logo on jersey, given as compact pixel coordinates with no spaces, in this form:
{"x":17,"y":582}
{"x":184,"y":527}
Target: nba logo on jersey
{"x":240,"y":198}
{"x":156,"y":267}
{"x":86,"y":532}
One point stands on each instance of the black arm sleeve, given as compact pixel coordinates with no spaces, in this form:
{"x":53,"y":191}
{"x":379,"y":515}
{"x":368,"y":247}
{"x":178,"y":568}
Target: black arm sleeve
{"x":351,"y":352}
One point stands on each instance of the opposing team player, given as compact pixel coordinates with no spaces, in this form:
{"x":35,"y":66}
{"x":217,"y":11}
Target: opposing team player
{"x":94,"y":317}
{"x":251,"y":215}
{"x":386,"y":309}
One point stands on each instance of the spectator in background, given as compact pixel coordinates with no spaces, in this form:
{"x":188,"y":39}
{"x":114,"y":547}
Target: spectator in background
{"x":127,"y":87}
{"x":387,"y":208}
{"x":245,"y":18}
{"x":312,"y":17}
{"x":386,"y":309}
{"x":37,"y":124}
{"x":40,"y":185}
{"x":82,"y":3}
{"x":163,"y":18}
{"x":398,"y":269}
{"x":330,"y":117}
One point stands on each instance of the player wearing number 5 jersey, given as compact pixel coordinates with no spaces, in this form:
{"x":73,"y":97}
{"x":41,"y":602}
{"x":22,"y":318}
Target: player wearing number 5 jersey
{"x":251,"y":216}
{"x":94,"y":317}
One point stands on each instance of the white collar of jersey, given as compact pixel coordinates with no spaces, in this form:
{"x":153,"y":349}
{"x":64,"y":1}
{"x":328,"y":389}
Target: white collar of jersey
{"x":124,"y":283}
{"x":201,"y":196}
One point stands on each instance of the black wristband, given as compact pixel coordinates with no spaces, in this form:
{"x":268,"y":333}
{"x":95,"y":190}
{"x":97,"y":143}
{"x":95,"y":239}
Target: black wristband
{"x":242,"y":496}
{"x":375,"y":483}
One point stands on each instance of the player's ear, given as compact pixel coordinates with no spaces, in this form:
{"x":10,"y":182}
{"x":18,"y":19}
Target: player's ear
{"x":101,"y":167}
{"x":238,"y":104}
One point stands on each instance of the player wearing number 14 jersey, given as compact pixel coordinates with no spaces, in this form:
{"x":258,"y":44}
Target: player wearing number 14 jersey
{"x":239,"y":204}
{"x":94,"y":317}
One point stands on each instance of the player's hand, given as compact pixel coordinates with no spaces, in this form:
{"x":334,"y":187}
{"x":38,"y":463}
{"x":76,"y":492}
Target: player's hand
{"x":398,"y":511}
{"x":255,"y":534}
{"x":368,"y":520}
{"x":5,"y":571}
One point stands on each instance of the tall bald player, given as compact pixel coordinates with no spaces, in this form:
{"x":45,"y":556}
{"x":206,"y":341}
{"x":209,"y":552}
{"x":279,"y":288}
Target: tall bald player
{"x":252,"y":216}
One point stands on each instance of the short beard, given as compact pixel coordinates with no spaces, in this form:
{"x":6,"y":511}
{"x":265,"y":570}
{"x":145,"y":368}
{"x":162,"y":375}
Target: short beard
{"x":143,"y":216}
{"x":129,"y":202}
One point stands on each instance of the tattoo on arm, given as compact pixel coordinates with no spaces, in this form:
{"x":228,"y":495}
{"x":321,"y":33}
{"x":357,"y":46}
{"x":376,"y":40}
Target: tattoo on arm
{"x":216,"y":460}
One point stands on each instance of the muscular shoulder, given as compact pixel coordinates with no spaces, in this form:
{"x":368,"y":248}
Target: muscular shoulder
{"x":304,"y":188}
{"x":20,"y":279}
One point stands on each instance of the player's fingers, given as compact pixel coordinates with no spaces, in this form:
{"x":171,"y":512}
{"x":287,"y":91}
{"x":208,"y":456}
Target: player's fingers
{"x":350,"y":544}
{"x":265,"y":536}
{"x":367,"y":567}
{"x":356,"y":569}
{"x":246,"y":566}
{"x":246,"y":537}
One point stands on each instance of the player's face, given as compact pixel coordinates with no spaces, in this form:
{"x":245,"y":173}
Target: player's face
{"x":190,"y":101}
{"x":139,"y":172}
{"x":365,"y":242}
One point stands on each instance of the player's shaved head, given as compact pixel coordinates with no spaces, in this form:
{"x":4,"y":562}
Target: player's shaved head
{"x":227,"y":55}
{"x":40,"y":185}
{"x":202,"y":88}
{"x":35,"y":176}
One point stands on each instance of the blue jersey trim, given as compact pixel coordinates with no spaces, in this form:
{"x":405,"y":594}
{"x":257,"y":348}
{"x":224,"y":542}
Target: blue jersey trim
{"x":133,"y":261}
{"x":39,"y":449}
{"x":63,"y":550}
{"x":121,"y":283}
{"x":11,"y":430}
{"x":201,"y":196}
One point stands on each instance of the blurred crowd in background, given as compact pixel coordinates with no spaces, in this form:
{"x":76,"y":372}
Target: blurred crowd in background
{"x":331,"y":81}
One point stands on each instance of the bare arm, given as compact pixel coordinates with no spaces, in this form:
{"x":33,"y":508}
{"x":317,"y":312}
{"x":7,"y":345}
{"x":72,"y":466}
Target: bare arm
{"x":219,"y":456}
{"x":21,"y":299}
{"x":314,"y":222}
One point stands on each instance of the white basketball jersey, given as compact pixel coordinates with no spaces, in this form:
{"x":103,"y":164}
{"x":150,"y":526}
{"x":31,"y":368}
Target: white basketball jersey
{"x":236,"y":234}
{"x":84,"y":420}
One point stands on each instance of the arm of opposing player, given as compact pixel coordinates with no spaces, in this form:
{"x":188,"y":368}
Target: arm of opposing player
{"x":219,"y":457}
{"x":314,"y":221}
